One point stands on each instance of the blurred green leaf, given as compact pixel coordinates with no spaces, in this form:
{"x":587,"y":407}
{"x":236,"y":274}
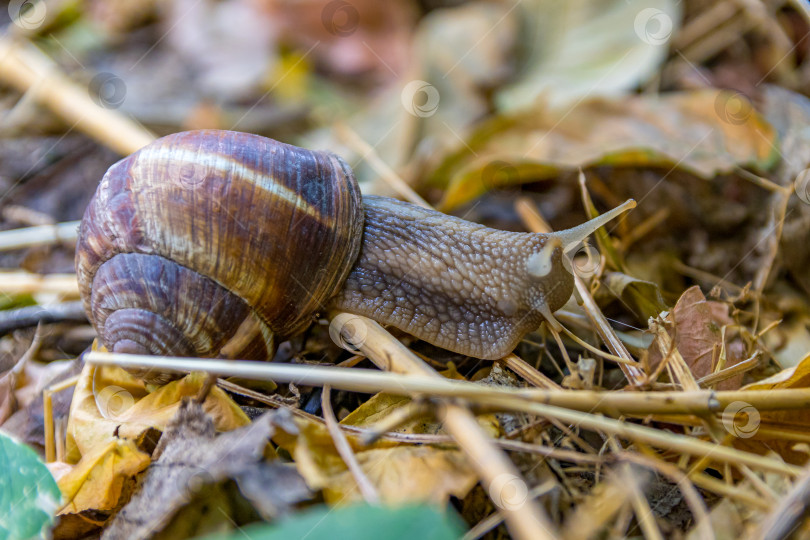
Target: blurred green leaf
{"x":578,"y":48}
{"x":360,"y":522}
{"x":29,"y":495}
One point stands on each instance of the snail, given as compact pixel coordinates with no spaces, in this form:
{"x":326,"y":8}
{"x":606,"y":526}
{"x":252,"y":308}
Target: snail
{"x":222,"y":244}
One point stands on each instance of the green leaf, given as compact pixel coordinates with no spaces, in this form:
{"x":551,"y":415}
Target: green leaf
{"x":29,"y":495}
{"x":359,"y":522}
{"x":584,"y":48}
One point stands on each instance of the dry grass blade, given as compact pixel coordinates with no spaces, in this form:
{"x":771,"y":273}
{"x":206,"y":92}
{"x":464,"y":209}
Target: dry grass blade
{"x":39,"y":236}
{"x":352,"y":139}
{"x":367,"y":489}
{"x":28,"y":283}
{"x":527,"y":520}
{"x":26,"y":68}
{"x":783,"y":521}
{"x":700,"y":402}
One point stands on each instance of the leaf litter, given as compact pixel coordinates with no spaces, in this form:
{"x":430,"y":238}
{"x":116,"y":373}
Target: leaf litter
{"x":690,"y":315}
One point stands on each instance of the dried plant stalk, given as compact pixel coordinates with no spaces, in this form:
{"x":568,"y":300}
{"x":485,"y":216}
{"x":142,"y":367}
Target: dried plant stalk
{"x":26,"y":68}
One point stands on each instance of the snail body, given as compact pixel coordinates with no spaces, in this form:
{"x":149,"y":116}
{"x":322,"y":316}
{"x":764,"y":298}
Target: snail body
{"x":218,"y":243}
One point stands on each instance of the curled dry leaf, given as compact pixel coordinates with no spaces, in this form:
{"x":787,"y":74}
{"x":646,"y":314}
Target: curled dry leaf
{"x":776,"y":431}
{"x":641,"y":297}
{"x":109,"y":404}
{"x":691,"y":130}
{"x":696,"y":331}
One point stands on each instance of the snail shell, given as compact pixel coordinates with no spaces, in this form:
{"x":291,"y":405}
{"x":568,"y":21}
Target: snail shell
{"x":212,"y":243}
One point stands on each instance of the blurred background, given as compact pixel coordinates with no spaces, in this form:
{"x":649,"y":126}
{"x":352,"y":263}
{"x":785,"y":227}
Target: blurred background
{"x":472,"y":103}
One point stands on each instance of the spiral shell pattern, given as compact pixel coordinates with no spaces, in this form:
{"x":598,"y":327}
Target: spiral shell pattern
{"x":216,"y":243}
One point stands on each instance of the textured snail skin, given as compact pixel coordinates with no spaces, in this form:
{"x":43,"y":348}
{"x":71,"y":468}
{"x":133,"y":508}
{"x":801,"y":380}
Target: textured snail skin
{"x":455,"y":284}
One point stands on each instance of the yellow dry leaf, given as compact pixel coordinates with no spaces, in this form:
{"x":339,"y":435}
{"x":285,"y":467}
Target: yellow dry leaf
{"x":401,"y":473}
{"x":97,"y":481}
{"x":405,"y":474}
{"x":797,"y":376}
{"x":764,"y":431}
{"x":109,"y":403}
{"x":380,"y":405}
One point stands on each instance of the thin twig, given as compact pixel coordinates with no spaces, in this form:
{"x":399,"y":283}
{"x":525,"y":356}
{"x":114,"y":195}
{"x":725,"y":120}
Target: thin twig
{"x":369,"y":154}
{"x":367,"y":489}
{"x":26,"y":317}
{"x":39,"y":236}
{"x":700,"y":402}
{"x":529,"y":373}
{"x":26,"y":68}
{"x":19,"y":282}
{"x":527,"y":521}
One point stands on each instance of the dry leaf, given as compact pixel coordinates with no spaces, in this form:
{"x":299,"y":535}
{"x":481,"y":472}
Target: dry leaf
{"x":110,"y":403}
{"x":691,"y":130}
{"x":99,"y":479}
{"x":697,"y":334}
{"x":401,"y":473}
{"x":187,"y":490}
{"x":642,"y":298}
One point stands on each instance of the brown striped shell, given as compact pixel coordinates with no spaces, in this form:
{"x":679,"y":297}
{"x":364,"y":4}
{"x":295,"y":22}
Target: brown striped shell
{"x":216,"y":243}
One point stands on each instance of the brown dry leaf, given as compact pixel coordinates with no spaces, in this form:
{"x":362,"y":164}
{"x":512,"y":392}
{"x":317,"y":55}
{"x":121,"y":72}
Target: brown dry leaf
{"x":110,"y":403}
{"x":188,"y":490}
{"x":99,"y":479}
{"x":705,"y":132}
{"x":697,"y":333}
